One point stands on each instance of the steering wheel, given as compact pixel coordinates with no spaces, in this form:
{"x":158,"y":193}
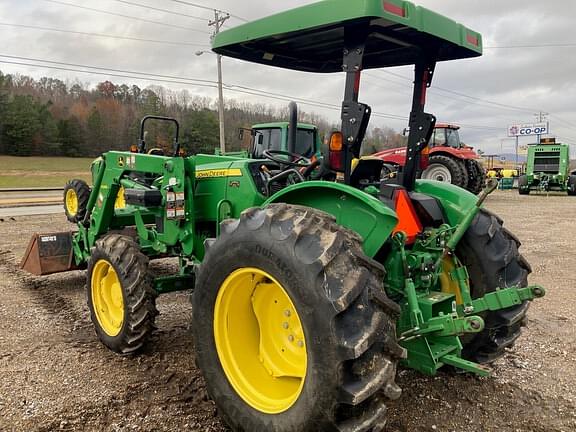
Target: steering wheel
{"x":296,"y":160}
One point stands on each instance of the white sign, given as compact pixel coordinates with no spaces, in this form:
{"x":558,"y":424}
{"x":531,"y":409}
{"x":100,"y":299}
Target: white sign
{"x":527,"y":129}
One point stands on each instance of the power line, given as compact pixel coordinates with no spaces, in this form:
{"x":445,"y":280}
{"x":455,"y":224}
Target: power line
{"x":102,"y":35}
{"x":511,"y":107}
{"x":200,"y":6}
{"x":161,"y":10}
{"x":73,"y":67}
{"x":439,"y":98}
{"x":546,"y":45}
{"x":199,"y":83}
{"x":566,"y":123}
{"x":103,"y":68}
{"x":170,"y":81}
{"x":126,"y":16}
{"x":161,"y":78}
{"x":99,"y":73}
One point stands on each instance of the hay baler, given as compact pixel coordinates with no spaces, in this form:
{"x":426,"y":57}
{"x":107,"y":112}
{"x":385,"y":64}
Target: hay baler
{"x":307,"y":291}
{"x":548,"y":169}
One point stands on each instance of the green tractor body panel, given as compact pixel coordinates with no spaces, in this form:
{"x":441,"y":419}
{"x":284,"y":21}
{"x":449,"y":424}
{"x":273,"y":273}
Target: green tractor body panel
{"x":547,"y":168}
{"x":455,"y":201}
{"x":311,"y":38}
{"x":352,"y":208}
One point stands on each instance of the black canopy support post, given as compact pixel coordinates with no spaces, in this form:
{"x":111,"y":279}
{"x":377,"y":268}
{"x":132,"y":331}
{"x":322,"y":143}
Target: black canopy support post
{"x":292,"y":127}
{"x":421,"y":124}
{"x":355,"y":116}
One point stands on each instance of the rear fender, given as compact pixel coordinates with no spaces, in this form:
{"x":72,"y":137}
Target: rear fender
{"x":352,"y":208}
{"x":455,"y":201}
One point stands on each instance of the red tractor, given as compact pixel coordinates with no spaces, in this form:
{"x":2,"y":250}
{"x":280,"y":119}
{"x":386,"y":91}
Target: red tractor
{"x":449,"y":160}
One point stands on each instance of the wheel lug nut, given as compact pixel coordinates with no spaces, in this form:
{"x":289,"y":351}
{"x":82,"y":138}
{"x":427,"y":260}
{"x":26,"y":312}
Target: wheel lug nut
{"x":291,"y":338}
{"x":287,"y":312}
{"x":285,"y":325}
{"x":300,"y":344}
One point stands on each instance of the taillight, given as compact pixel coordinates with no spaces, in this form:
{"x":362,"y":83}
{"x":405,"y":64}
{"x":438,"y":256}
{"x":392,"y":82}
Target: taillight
{"x":336,"y":151}
{"x":472,"y":39}
{"x":425,"y":158}
{"x":393,"y":8}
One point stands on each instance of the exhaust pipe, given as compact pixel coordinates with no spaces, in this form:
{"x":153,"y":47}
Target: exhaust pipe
{"x":292,"y":127}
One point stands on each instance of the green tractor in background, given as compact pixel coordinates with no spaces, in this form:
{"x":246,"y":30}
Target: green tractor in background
{"x":548,"y":169}
{"x":312,"y":279}
{"x":279,"y":136}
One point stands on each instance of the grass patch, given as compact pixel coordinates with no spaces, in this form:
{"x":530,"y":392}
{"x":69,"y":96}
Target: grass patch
{"x":42,"y":171}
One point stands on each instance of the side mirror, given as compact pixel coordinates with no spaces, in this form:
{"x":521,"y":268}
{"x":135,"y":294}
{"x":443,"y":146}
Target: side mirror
{"x":240,"y":134}
{"x":260,"y":139}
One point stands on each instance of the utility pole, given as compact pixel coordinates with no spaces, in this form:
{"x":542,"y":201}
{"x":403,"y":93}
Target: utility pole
{"x":541,"y":116}
{"x":219,"y":19}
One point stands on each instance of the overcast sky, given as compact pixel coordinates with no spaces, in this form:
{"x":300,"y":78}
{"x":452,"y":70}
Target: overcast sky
{"x":530,"y":78}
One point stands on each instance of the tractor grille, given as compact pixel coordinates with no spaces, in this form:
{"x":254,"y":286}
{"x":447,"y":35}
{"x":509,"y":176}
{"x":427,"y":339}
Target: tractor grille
{"x":547,"y":162}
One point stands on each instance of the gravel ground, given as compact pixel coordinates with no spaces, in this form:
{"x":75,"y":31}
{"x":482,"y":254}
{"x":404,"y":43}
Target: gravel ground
{"x":55,"y":375}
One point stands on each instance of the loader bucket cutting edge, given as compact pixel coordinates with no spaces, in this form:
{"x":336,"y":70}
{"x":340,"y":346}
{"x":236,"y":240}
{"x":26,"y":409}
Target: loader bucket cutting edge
{"x":49,"y":253}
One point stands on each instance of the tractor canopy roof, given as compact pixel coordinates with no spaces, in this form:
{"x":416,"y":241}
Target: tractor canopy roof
{"x":311,"y":38}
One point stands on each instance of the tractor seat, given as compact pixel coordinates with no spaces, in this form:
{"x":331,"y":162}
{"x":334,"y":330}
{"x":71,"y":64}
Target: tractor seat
{"x":366,"y":171}
{"x":156,"y":152}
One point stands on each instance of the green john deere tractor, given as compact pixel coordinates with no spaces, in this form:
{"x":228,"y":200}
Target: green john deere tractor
{"x":307,"y":291}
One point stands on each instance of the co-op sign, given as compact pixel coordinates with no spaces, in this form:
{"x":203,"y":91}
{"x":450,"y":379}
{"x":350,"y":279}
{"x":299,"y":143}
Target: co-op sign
{"x":528,"y":129}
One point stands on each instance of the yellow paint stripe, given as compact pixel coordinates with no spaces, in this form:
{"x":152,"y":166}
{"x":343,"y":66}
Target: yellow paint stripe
{"x":30,"y":200}
{"x":214,"y":173}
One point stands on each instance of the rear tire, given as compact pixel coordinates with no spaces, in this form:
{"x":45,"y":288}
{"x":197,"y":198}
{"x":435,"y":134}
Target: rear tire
{"x":347,"y":322}
{"x":523,"y":188}
{"x":447,"y":170}
{"x":572,"y":185}
{"x":121,"y":297}
{"x":490,"y":253}
{"x":476,"y":176}
{"x":76,"y":196}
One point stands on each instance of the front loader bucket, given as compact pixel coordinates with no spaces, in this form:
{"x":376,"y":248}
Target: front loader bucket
{"x":49,"y":253}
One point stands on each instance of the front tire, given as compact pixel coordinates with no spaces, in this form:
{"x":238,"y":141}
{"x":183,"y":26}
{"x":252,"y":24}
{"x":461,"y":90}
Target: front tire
{"x":490,"y":253}
{"x":76,"y":196}
{"x":121,"y":297}
{"x":447,"y":170}
{"x":343,"y":349}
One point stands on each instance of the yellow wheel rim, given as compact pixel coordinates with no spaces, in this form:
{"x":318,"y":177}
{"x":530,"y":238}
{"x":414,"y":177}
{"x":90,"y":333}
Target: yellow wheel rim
{"x":107,"y":298}
{"x":260,"y":340}
{"x":447,"y":284}
{"x":120,"y":202}
{"x":71,"y":202}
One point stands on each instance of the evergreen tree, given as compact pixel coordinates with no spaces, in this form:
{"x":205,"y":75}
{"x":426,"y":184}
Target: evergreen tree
{"x":21,"y":126}
{"x":71,"y":137}
{"x":95,"y":133}
{"x":200,"y":132}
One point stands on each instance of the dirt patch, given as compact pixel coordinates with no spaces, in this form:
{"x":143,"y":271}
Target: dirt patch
{"x":57,"y":376}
